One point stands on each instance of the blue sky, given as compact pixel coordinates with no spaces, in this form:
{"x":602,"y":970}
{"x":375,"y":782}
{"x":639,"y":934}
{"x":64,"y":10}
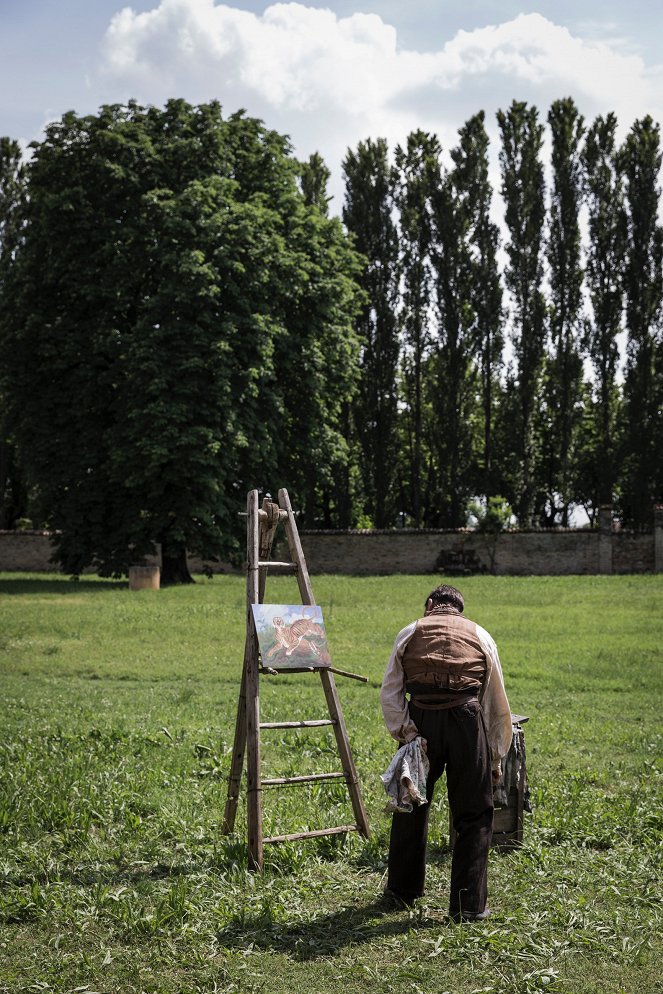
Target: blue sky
{"x":330,"y":74}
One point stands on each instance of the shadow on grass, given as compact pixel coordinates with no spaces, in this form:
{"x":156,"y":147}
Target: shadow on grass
{"x":327,"y":935}
{"x":62,"y":586}
{"x":92,"y":876}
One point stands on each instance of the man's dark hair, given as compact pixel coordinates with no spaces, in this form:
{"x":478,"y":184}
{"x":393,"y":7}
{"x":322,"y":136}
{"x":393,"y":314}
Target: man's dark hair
{"x":444,"y":594}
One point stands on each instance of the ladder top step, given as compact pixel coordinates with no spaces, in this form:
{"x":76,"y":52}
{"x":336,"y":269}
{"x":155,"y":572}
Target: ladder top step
{"x":263,"y":514}
{"x":339,"y":830}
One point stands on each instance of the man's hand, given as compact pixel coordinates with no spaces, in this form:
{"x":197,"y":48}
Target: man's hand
{"x":497,"y":775}
{"x":424,"y":743}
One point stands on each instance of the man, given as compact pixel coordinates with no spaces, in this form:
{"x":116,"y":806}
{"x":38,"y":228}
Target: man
{"x":450,"y":668}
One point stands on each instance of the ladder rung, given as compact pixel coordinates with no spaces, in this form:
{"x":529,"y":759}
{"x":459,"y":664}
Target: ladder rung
{"x":297,"y":724}
{"x":273,"y":564}
{"x":283,"y":781}
{"x":340,"y":830}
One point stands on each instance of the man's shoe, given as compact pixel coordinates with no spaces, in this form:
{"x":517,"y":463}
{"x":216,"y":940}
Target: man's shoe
{"x":398,"y":900}
{"x":467,"y":916}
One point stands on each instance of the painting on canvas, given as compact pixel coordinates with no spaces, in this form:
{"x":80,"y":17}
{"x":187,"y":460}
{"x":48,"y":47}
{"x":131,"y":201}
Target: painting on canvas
{"x":291,"y":636}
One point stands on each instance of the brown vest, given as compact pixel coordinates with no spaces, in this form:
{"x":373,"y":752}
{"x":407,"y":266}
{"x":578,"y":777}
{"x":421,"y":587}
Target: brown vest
{"x":445,"y":653}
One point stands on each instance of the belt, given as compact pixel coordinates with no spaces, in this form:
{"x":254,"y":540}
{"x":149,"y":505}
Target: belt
{"x":445,"y":700}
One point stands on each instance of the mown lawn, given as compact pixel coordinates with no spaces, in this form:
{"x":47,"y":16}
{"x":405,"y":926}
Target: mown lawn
{"x":117,"y":713}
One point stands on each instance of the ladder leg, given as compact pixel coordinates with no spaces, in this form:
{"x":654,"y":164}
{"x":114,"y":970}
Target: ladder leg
{"x":237,"y":762}
{"x":254,"y":812}
{"x":296,"y":551}
{"x":343,"y":745}
{"x":253,"y":759}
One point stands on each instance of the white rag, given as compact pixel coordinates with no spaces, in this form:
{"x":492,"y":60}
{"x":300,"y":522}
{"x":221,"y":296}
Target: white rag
{"x":405,"y":778}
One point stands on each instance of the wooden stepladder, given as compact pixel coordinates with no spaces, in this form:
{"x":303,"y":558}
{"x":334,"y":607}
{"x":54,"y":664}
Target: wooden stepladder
{"x":262,"y":524}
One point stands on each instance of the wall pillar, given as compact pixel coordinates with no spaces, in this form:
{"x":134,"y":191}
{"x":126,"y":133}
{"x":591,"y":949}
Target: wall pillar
{"x":658,"y":538}
{"x":605,"y":538}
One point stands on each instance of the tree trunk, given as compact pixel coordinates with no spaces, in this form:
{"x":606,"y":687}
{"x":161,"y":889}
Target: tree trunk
{"x":174,"y":567}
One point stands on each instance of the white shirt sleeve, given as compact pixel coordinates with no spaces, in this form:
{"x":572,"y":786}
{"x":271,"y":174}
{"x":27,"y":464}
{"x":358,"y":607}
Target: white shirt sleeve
{"x":392,"y":694}
{"x":496,"y":710}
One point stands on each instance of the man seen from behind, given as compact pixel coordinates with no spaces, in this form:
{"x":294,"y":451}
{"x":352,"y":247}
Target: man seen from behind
{"x":450,"y":669}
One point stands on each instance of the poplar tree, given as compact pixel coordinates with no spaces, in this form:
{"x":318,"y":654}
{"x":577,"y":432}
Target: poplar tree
{"x":473,"y":188}
{"x":451,"y":381}
{"x":606,"y":246}
{"x":523,"y":191}
{"x":313,"y":178}
{"x":368,"y":215}
{"x":564,"y":370}
{"x":642,"y":475}
{"x":417,"y":172}
{"x":13,"y":495}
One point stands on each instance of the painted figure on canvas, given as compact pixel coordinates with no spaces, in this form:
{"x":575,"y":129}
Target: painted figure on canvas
{"x":291,"y":636}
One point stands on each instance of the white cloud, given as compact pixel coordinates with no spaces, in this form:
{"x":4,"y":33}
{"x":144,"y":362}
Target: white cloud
{"x":329,"y":81}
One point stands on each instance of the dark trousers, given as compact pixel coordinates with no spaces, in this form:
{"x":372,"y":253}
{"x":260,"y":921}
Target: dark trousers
{"x":457,"y":742}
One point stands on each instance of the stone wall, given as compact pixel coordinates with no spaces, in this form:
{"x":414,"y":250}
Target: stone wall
{"x":362,"y":553}
{"x":26,"y":552}
{"x":554,"y":552}
{"x":634,"y":552}
{"x":30,"y":552}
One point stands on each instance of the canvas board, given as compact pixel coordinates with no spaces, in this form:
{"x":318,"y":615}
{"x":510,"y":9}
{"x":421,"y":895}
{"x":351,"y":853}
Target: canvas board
{"x":291,"y":636}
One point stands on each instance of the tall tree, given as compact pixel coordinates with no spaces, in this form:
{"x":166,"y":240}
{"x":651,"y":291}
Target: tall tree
{"x":13,"y":495}
{"x":368,"y":215}
{"x":173,"y":297}
{"x":316,"y":360}
{"x":452,"y":383}
{"x":604,"y":196}
{"x":475,"y":192}
{"x":417,"y":171}
{"x":642,"y":476}
{"x":564,"y":369}
{"x":523,"y":190}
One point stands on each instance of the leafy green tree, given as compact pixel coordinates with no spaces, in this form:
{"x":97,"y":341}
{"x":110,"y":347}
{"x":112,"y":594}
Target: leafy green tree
{"x":607,"y":230}
{"x":523,"y":191}
{"x":417,"y":178}
{"x":13,"y":494}
{"x":175,"y":300}
{"x":368,"y":215}
{"x":642,"y":475}
{"x":485,"y":293}
{"x":564,"y":369}
{"x":317,"y":365}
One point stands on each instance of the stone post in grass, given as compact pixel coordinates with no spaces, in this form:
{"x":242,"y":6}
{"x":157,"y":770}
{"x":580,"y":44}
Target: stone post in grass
{"x":144,"y":578}
{"x":658,"y":538}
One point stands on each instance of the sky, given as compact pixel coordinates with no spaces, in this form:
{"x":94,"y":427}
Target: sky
{"x":330,"y":75}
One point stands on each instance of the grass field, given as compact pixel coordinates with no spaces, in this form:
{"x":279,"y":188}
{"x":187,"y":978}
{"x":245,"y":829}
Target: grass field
{"x":117,"y":714}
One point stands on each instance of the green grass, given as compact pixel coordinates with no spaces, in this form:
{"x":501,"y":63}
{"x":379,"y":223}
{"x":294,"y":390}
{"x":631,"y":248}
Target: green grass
{"x":117,"y":715}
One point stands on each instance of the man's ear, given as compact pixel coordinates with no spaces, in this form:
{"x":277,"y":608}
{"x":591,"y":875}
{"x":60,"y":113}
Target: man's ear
{"x":429,"y":604}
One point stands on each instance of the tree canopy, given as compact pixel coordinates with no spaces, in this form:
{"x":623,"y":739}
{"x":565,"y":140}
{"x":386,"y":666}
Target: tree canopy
{"x":180,"y":324}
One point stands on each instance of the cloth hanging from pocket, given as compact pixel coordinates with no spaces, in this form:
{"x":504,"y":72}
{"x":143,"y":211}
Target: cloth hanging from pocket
{"x":405,"y":778}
